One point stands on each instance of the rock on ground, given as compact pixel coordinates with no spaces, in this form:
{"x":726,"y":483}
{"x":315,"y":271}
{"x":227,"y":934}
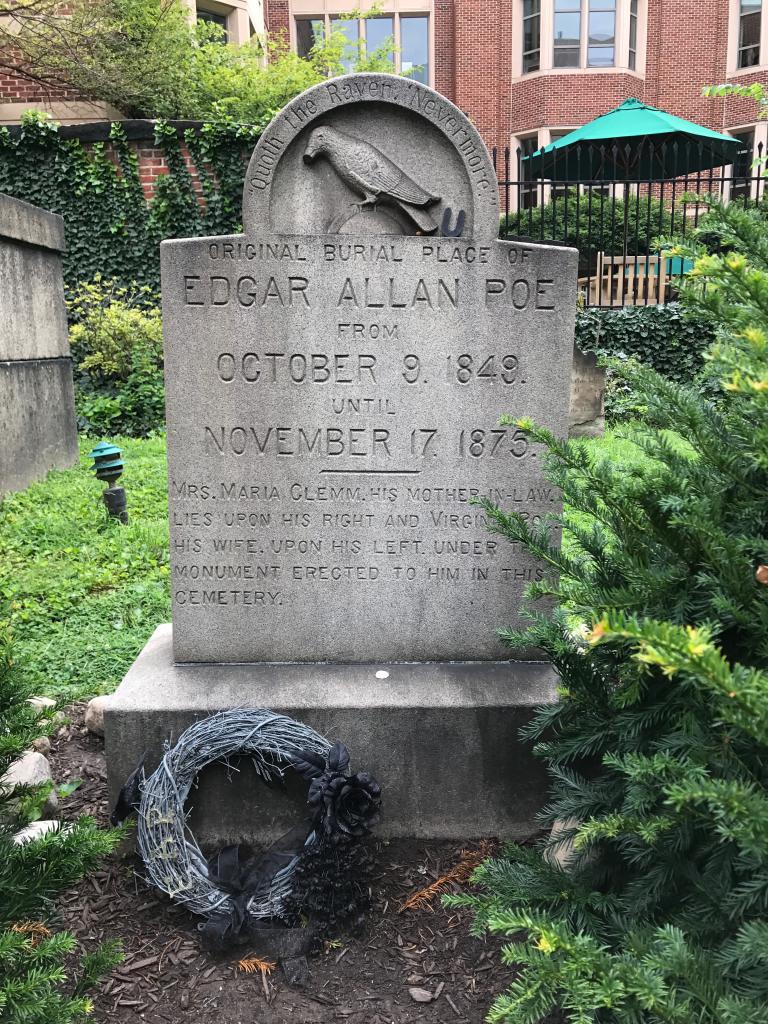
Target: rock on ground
{"x":42,"y":745}
{"x":31,"y":769}
{"x":94,"y":715}
{"x":36,"y":829}
{"x":563,"y":851}
{"x":42,"y":703}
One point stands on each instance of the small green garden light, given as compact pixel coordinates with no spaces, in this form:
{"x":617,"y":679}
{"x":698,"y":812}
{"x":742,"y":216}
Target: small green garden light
{"x":108,"y":467}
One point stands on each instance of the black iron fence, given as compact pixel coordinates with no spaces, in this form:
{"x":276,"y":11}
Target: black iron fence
{"x":614,"y":223}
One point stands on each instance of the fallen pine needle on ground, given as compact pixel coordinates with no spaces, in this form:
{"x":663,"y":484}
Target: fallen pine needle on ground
{"x":459,"y":874}
{"x":251,"y":964}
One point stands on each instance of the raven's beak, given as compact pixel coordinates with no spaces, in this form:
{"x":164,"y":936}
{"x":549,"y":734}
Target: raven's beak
{"x":310,"y":153}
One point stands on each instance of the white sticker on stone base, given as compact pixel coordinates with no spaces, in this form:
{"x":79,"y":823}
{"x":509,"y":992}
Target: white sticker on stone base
{"x":336,"y":378}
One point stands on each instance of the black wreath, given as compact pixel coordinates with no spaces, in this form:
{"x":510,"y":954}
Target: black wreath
{"x":238,"y":893}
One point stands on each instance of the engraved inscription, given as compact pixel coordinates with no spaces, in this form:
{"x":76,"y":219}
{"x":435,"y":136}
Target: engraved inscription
{"x":334,"y":416}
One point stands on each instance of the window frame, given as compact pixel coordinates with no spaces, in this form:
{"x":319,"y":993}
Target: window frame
{"x":239,"y":28}
{"x":573,"y":9}
{"x":592,"y":7}
{"x":634,"y":30}
{"x":630,"y":17}
{"x":396,"y":15}
{"x":402,"y":16}
{"x":321,"y":18}
{"x":533,"y":16}
{"x":214,"y":18}
{"x":734,"y":38}
{"x":740,"y":49}
{"x":527,"y":195}
{"x":741,"y":186}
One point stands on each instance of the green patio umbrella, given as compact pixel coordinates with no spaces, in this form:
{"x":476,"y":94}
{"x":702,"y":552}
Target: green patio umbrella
{"x":634,"y":142}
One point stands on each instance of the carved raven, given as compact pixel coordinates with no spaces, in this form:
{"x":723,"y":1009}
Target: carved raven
{"x":371,"y":174}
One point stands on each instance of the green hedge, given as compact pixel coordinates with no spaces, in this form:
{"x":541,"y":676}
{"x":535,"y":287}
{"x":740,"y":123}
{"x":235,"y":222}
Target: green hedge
{"x":110,"y":227}
{"x":660,"y":336}
{"x":592,"y":227}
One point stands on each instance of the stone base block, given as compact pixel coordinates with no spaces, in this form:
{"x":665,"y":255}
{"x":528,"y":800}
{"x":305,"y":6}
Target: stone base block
{"x":442,"y":739}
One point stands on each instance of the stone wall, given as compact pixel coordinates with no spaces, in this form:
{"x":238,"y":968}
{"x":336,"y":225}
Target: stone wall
{"x":37,"y":401}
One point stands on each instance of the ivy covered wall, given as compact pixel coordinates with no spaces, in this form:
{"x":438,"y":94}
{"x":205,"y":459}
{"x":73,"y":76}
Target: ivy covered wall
{"x":668,"y":338}
{"x":112,"y":227}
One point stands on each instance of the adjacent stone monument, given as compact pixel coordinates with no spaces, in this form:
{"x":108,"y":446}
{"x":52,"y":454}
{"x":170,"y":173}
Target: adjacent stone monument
{"x":335,"y":381}
{"x":37,"y":401}
{"x":587,"y":415}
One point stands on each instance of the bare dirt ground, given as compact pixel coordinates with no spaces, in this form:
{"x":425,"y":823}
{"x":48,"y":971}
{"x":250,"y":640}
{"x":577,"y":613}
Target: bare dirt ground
{"x":366,"y":979}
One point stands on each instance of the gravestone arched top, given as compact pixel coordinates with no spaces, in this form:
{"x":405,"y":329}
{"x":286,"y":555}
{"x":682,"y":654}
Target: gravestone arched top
{"x":371,"y":154}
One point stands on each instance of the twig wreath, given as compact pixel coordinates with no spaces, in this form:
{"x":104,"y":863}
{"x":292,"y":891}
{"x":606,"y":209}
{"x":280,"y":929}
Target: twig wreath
{"x":343,"y":807}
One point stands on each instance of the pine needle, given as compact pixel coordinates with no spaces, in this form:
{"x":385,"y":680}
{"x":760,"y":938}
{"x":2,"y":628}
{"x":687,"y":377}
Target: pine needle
{"x":34,"y":928}
{"x":251,"y":964}
{"x":459,"y":874}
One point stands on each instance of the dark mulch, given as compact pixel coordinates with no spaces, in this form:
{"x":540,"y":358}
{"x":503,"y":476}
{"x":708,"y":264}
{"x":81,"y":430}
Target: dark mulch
{"x":362,"y":980}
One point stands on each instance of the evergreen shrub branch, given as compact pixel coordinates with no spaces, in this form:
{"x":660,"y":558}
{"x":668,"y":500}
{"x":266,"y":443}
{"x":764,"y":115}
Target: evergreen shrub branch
{"x":649,"y":902}
{"x":42,"y":980}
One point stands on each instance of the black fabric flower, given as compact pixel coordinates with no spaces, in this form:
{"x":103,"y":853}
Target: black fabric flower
{"x":344,"y":806}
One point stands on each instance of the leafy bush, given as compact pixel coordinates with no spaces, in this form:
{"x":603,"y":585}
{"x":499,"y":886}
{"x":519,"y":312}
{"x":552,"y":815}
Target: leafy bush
{"x":658,"y":747}
{"x":116,"y":340}
{"x":668,"y":338}
{"x":594,"y":225}
{"x":147,"y":59}
{"x":36,"y":986}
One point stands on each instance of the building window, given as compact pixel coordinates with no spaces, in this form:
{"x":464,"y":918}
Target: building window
{"x":531,"y":35}
{"x":742,"y":166}
{"x":377,"y":32}
{"x":601,"y":49}
{"x":309,"y":31}
{"x":573,"y":47}
{"x":750,"y":16}
{"x":567,"y":49}
{"x":580,"y":34}
{"x":211,"y":18}
{"x":632,"y":35}
{"x":414,"y":47}
{"x":351,"y":29}
{"x":406,"y":34}
{"x":528,"y":188}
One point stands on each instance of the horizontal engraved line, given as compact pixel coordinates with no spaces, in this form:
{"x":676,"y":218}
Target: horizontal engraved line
{"x":375,"y":472}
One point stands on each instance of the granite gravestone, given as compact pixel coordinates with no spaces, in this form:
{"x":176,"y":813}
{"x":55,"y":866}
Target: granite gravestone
{"x":335,"y":381}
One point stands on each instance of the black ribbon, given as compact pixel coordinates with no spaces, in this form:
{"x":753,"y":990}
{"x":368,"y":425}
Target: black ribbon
{"x":243,"y":876}
{"x":129,"y":797}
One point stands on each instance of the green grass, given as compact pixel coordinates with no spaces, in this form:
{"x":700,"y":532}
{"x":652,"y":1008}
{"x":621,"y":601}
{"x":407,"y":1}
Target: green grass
{"x":86,"y":592}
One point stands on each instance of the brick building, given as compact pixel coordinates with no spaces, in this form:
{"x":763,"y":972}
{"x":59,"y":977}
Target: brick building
{"x":525,"y":71}
{"x":528,"y":71}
